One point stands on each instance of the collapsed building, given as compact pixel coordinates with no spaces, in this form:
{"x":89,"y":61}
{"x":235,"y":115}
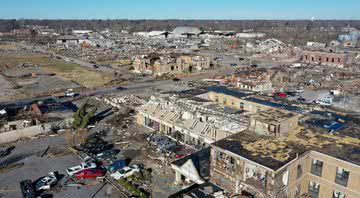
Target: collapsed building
{"x":271,"y":45}
{"x":250,"y":79}
{"x":157,"y":64}
{"x":193,"y":121}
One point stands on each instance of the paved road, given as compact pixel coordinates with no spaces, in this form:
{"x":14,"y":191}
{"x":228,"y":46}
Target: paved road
{"x":136,"y":88}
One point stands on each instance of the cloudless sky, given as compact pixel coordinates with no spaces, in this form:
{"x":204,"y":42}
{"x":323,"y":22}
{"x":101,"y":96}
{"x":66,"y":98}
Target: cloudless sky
{"x":180,"y":9}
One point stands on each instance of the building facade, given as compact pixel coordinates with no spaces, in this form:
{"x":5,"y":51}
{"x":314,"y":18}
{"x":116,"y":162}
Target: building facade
{"x":158,"y":65}
{"x":327,"y":58}
{"x":249,"y":164}
{"x":244,"y":101}
{"x":191,"y":122}
{"x":273,"y":122}
{"x":256,"y":86}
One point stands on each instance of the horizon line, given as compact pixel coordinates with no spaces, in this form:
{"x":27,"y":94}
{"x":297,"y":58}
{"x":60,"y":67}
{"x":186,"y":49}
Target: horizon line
{"x":182,"y":19}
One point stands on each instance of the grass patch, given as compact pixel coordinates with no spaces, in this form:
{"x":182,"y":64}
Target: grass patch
{"x":131,"y":188}
{"x":67,"y":71}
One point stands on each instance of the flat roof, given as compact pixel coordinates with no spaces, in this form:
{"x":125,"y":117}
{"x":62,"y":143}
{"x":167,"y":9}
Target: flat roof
{"x":328,"y":120}
{"x":227,"y":91}
{"x":272,"y":116}
{"x":245,"y":96}
{"x":274,"y":152}
{"x":275,"y":105}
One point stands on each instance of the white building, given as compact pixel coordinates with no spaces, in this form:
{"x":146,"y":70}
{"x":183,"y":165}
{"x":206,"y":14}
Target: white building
{"x":250,"y":35}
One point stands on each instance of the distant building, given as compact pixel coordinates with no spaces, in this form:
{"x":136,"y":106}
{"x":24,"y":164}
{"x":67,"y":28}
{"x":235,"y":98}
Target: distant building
{"x":315,"y":45}
{"x":187,"y":32}
{"x":82,"y":31}
{"x":256,"y":86}
{"x":250,"y":35}
{"x":67,"y":40}
{"x":328,"y":58}
{"x":23,"y":31}
{"x":46,"y":31}
{"x":159,"y":64}
{"x":349,"y":40}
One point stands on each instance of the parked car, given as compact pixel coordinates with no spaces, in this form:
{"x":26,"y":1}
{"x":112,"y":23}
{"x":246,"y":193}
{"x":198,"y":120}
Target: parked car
{"x":326,"y":101}
{"x":117,"y":165}
{"x":69,"y":93}
{"x":94,"y":140}
{"x":7,"y":151}
{"x":293,"y":94}
{"x":96,"y":148}
{"x":156,"y":139}
{"x":166,"y":144}
{"x":301,"y":99}
{"x":299,"y":89}
{"x":176,"y":79}
{"x":121,"y":88}
{"x":90,"y":173}
{"x":107,"y":154}
{"x":280,"y":95}
{"x":45,"y":183}
{"x":83,"y":166}
{"x":126,"y":172}
{"x":27,"y":189}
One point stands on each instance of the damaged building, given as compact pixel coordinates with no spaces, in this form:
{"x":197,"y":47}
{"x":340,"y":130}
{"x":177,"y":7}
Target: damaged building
{"x":302,"y":164}
{"x":194,"y":121}
{"x":341,"y":59}
{"x":296,"y":162}
{"x":273,"y":122}
{"x":245,"y":101}
{"x":157,"y":64}
{"x":67,"y":40}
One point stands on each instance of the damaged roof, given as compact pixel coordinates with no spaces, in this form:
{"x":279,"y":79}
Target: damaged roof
{"x":273,"y":116}
{"x":274,"y":152}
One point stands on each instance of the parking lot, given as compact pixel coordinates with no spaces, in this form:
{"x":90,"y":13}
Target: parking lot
{"x":57,"y":158}
{"x":37,"y":157}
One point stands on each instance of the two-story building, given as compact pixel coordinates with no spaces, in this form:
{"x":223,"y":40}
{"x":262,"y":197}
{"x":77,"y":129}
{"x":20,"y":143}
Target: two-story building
{"x":194,"y":122}
{"x":302,"y":164}
{"x":328,"y":58}
{"x":159,"y":64}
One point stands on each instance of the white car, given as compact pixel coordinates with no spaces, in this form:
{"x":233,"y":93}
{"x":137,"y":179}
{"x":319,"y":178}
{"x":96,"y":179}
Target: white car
{"x":83,"y":166}
{"x":46,"y":182}
{"x":69,"y":93}
{"x":126,"y":172}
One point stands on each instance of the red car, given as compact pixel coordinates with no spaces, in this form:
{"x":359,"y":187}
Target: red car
{"x":90,"y":173}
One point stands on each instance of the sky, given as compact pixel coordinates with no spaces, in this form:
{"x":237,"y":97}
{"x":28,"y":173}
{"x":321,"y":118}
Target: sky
{"x":180,"y":9}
